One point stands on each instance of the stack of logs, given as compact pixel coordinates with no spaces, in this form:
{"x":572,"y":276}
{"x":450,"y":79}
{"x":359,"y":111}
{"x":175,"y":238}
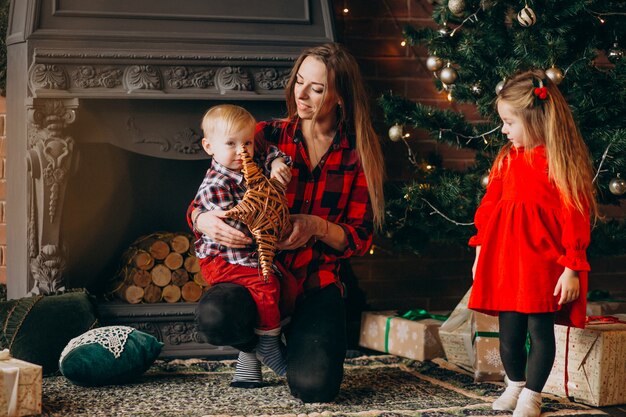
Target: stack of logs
{"x":160,"y":267}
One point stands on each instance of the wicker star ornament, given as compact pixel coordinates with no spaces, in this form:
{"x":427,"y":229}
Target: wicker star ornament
{"x":264,"y":209}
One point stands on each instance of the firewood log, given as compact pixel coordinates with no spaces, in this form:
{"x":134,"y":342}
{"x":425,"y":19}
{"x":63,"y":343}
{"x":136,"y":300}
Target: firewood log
{"x":198,"y":278}
{"x":152,"y":294}
{"x":191,"y":292}
{"x":180,"y":244}
{"x":191,"y":264}
{"x":131,"y":293}
{"x":180,"y":277}
{"x":141,"y":277}
{"x":161,"y":275}
{"x":159,"y":249}
{"x":173,"y":261}
{"x":143,"y":260}
{"x":171,"y":294}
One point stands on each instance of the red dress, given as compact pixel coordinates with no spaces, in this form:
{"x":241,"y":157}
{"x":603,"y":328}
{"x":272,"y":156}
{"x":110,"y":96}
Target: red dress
{"x":527,"y":236}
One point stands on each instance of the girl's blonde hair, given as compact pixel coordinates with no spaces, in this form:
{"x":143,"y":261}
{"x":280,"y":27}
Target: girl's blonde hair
{"x":550,"y":122}
{"x":353,"y":114}
{"x":226,"y":118}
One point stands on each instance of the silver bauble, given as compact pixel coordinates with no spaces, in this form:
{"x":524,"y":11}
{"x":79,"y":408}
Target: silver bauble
{"x":499,"y":87}
{"x":434,"y":63}
{"x":444,"y":31}
{"x":526,"y":17}
{"x":617,"y":186}
{"x":555,"y":75}
{"x":484,"y":180}
{"x":448,"y":75}
{"x":395,"y":133}
{"x":457,"y":7}
{"x":476,"y":89}
{"x":615,"y":53}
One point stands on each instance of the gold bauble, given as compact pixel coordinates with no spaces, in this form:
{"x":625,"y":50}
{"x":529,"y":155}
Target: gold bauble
{"x":526,"y":17}
{"x":434,"y":63}
{"x":499,"y":87}
{"x":395,"y":133}
{"x":457,"y":7}
{"x":484,"y":180}
{"x":617,"y":186}
{"x":555,"y":75}
{"x":448,"y":75}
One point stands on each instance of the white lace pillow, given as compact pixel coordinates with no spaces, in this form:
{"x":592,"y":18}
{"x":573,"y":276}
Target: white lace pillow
{"x":108,"y":355}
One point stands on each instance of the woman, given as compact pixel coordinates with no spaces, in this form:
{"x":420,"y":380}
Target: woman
{"x":335,"y":199}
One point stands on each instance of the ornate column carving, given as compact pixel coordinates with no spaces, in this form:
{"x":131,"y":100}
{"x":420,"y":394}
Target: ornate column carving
{"x":50,"y":159}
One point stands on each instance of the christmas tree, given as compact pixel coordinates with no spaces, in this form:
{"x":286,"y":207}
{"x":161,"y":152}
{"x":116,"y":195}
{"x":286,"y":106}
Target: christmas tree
{"x":475,"y":46}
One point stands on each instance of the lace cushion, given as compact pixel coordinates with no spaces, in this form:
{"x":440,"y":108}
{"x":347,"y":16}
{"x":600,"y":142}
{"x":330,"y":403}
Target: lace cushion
{"x":108,"y":355}
{"x":36,"y":329}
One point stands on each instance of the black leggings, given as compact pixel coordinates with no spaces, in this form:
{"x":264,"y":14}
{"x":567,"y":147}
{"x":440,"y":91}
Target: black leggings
{"x":316,"y":336}
{"x":513,"y":329}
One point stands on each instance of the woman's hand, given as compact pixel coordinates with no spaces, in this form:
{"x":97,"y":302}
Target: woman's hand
{"x":305,"y":227}
{"x":211,"y":224}
{"x":568,"y":286}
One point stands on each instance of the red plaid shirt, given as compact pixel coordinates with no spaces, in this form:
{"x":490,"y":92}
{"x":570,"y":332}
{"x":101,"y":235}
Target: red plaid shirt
{"x":223,"y":189}
{"x":335,"y":190}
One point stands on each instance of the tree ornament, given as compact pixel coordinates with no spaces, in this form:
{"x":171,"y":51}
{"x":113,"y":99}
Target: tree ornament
{"x":444,"y":30}
{"x":500,"y":86}
{"x":477,"y":89}
{"x":615,"y":53}
{"x":484,"y":180}
{"x":555,"y":75}
{"x":434,"y":63}
{"x":617,"y":185}
{"x":396,"y":133}
{"x":264,"y":209}
{"x":457,"y":7}
{"x":448,"y":75}
{"x":526,"y":17}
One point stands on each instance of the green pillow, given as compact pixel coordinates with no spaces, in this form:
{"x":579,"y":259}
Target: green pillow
{"x":36,"y":329}
{"x":108,"y":355}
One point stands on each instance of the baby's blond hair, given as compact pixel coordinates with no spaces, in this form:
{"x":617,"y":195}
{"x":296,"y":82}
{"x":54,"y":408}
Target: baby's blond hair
{"x":226,"y":118}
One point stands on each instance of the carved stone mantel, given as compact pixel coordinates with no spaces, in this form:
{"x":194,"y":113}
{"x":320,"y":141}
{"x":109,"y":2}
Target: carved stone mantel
{"x":114,"y":74}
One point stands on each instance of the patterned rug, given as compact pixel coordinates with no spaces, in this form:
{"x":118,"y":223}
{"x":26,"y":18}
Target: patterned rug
{"x":374,"y":386}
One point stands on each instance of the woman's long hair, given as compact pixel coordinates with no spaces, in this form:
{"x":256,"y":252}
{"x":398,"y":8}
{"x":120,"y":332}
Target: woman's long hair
{"x":550,"y":122}
{"x":353,"y":115}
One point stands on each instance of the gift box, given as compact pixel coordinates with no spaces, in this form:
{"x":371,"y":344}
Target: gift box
{"x":606,"y":307}
{"x":487,"y":363}
{"x":590,"y":363}
{"x":470,"y":340}
{"x":602,"y":303}
{"x":20,"y":390}
{"x":414,"y":339}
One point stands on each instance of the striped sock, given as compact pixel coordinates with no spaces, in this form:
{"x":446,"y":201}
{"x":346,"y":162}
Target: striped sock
{"x":268,"y":351}
{"x":248,"y":372}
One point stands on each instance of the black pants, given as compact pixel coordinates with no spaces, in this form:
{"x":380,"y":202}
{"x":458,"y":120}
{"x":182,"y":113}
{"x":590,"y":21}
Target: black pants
{"x":316,"y":336}
{"x":513,"y":329}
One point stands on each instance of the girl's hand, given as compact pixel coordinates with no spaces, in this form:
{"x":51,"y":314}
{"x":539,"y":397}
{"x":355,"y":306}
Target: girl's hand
{"x":280,"y":171}
{"x":211,"y":224}
{"x":305,"y":226}
{"x":568,"y":285}
{"x":475,"y":262}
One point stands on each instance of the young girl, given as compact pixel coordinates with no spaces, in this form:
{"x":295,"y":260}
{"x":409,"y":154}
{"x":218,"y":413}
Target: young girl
{"x":533,"y":229}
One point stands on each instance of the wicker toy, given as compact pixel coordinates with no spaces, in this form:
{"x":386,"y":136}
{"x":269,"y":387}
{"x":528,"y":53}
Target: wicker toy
{"x":264,"y":209}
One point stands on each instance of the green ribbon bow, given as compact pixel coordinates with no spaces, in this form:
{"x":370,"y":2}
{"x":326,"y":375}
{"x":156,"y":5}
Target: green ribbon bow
{"x":413,"y":315}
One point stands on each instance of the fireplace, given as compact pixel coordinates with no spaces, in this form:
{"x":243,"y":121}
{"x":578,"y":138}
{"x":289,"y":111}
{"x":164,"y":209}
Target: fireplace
{"x":104,"y":101}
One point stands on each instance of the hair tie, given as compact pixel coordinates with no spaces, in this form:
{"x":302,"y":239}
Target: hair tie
{"x":540,"y":91}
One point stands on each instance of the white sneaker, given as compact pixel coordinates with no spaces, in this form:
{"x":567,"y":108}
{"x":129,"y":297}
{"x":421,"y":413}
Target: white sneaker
{"x":528,"y":404}
{"x":508,"y":400}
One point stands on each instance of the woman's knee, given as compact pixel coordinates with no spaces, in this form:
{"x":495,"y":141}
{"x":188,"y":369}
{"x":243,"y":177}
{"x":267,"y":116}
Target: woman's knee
{"x":315,"y":382}
{"x":226,"y":315}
